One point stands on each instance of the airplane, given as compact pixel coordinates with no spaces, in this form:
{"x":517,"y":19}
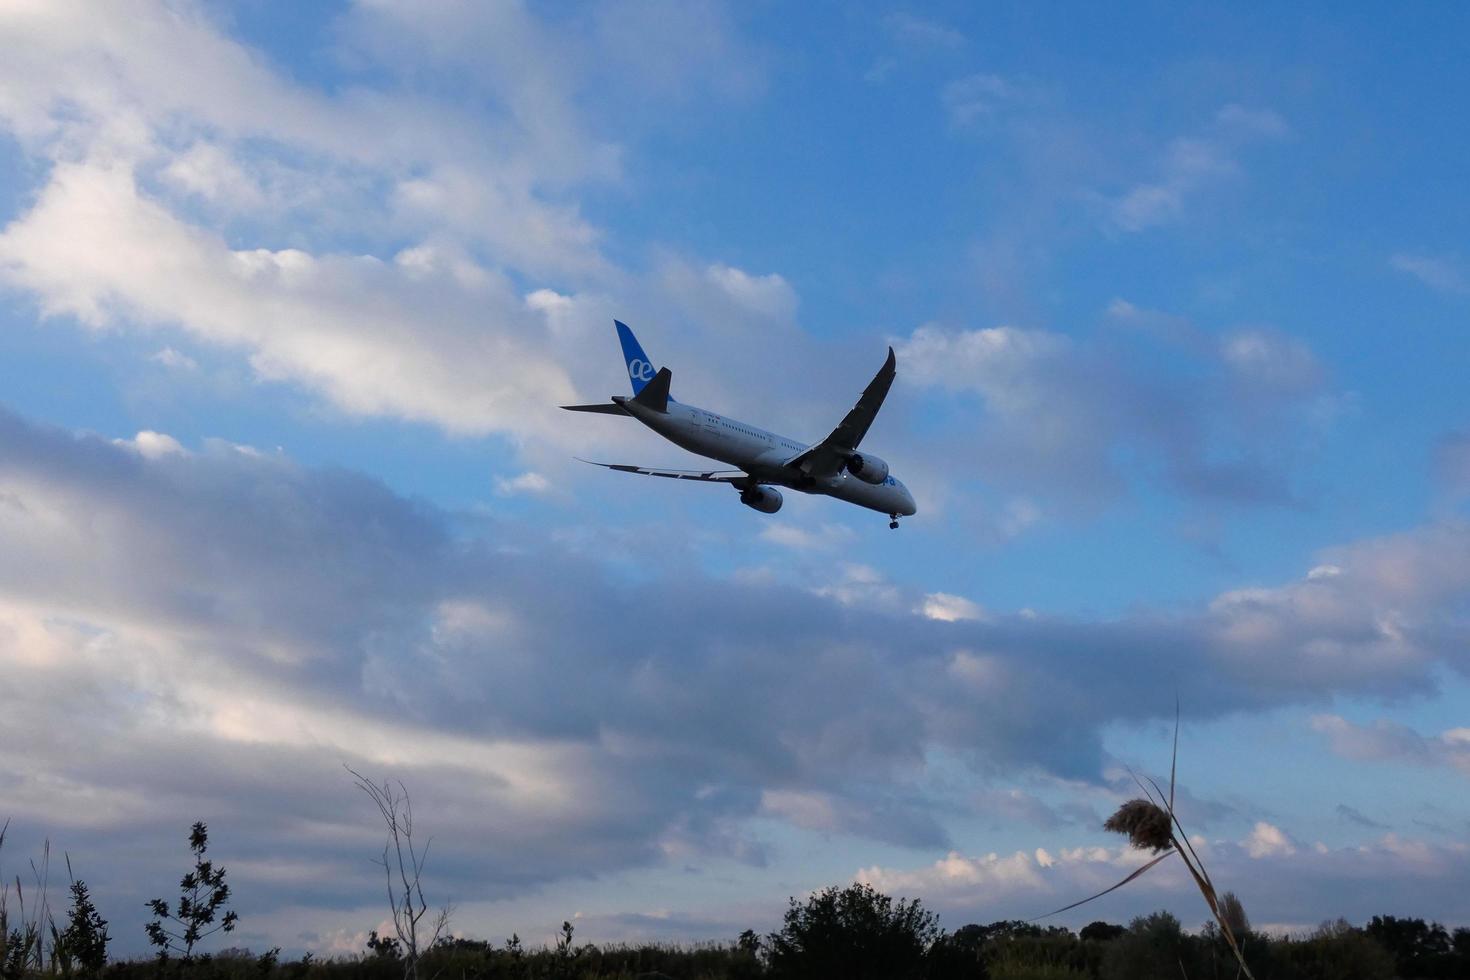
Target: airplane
{"x":833,"y":467}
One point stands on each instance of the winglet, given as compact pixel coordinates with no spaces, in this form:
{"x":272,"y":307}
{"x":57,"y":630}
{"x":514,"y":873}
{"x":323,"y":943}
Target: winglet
{"x":655,"y":394}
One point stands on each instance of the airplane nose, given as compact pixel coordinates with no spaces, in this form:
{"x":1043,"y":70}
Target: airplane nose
{"x":908,"y":500}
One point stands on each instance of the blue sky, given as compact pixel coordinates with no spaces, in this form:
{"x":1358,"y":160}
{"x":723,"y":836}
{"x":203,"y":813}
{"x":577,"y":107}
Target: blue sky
{"x":289,"y":294}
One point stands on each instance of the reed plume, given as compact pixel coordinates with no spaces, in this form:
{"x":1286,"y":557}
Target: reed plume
{"x":1152,"y":825}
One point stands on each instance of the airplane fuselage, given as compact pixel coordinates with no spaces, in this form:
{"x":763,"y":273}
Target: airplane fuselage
{"x":763,"y":455}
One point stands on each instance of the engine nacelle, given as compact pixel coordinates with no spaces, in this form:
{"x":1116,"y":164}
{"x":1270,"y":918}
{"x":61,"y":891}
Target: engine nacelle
{"x":767,"y":500}
{"x":869,"y":469}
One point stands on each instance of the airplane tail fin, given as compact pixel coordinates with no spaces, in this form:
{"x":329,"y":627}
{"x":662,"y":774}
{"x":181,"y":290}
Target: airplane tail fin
{"x":640,"y":369}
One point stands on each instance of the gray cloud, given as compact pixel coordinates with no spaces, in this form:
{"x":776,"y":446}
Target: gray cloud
{"x":1081,"y":418}
{"x":1390,"y":741}
{"x":213,"y":633}
{"x":1357,"y":818}
{"x":1010,"y":807}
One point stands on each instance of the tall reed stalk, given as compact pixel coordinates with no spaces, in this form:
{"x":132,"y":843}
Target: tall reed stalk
{"x":22,"y":946}
{"x":1152,"y":824}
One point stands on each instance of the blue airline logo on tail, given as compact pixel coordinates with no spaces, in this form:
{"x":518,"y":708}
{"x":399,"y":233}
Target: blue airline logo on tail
{"x":640,"y":368}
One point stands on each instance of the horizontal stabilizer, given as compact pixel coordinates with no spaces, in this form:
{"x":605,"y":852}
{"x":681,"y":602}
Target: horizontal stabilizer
{"x":604,"y":408}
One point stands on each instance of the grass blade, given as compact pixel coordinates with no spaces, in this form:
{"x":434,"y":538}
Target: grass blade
{"x":1135,"y":874}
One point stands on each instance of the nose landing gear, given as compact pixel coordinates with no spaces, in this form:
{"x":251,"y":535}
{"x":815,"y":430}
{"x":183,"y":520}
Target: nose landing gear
{"x":893,"y":521}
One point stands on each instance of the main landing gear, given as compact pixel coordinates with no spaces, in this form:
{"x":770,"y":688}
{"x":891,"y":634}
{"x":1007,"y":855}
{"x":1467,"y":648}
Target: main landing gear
{"x":893,"y":521}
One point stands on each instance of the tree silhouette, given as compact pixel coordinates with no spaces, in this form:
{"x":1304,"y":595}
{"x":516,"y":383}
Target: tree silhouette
{"x":1419,"y":948}
{"x":202,"y":894}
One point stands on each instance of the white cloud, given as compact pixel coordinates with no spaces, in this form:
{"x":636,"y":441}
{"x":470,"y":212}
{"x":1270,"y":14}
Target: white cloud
{"x":153,"y":445}
{"x":909,"y":28}
{"x":711,"y":54}
{"x":1271,"y":361}
{"x":1167,"y":327}
{"x":176,"y":360}
{"x":1255,"y":122}
{"x":977,"y":97}
{"x":1190,"y":165}
{"x":989,"y":874}
{"x":374,"y":338}
{"x":1284,"y":880}
{"x":767,"y":295}
{"x":527,"y":483}
{"x":1000,"y":361}
{"x":1442,"y":273}
{"x":861,"y":585}
{"x":1266,"y":840}
{"x":826,"y":537}
{"x":210,"y":171}
{"x":179,"y":161}
{"x":1020,"y":514}
{"x":950,"y":608}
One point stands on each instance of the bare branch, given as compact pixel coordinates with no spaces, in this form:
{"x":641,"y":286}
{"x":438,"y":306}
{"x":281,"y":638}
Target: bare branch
{"x":404,"y":860}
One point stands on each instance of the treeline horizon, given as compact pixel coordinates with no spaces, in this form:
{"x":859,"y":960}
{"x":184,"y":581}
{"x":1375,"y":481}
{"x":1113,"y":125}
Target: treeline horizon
{"x":850,"y":932}
{"x":877,"y":938}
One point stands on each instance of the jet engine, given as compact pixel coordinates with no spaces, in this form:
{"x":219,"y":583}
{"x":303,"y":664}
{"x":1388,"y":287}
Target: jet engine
{"x":869,"y":469}
{"x":767,"y":500}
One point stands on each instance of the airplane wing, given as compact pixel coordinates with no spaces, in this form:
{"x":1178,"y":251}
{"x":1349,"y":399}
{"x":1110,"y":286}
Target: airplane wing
{"x":704,"y":476}
{"x":829,"y":456}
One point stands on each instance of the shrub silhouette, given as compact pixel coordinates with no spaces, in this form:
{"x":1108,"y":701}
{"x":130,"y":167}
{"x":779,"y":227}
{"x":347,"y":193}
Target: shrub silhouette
{"x":853,"y":933}
{"x":82,"y":945}
{"x":1336,"y":951}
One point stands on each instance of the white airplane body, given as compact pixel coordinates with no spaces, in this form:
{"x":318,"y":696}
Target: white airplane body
{"x":833,"y":467}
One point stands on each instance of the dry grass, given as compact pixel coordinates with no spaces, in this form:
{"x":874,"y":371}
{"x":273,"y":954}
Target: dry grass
{"x":1151,"y":824}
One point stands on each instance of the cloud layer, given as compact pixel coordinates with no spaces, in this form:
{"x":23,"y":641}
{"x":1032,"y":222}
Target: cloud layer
{"x":221,"y":630}
{"x":1084,"y":417}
